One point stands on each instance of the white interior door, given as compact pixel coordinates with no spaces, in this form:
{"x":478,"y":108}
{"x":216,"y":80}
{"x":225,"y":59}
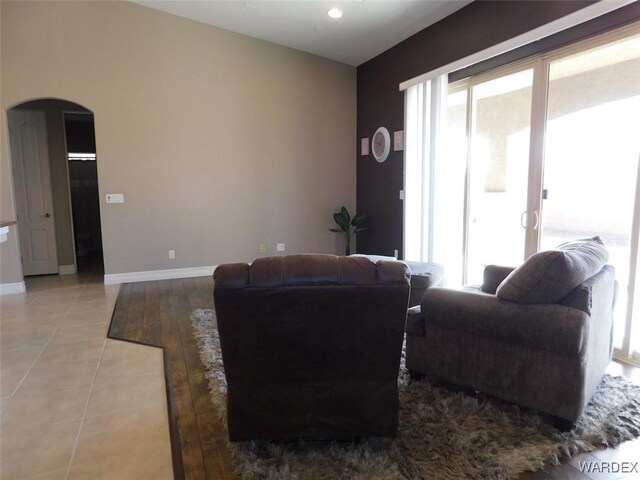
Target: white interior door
{"x":34,"y":202}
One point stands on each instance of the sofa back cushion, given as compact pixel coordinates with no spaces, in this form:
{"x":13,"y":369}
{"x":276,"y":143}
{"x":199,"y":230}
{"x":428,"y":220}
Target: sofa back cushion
{"x":549,"y":276}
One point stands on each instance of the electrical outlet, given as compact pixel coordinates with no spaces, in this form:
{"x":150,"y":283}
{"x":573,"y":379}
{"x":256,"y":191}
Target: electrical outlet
{"x":395,"y":253}
{"x":263,"y":248}
{"x":172,"y":254}
{"x":280,"y":247}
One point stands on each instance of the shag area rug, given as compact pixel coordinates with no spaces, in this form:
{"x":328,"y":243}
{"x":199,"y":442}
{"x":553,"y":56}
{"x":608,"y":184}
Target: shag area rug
{"x":443,"y":434}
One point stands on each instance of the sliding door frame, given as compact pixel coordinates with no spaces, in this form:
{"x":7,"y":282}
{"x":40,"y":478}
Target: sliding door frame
{"x":633,"y":327}
{"x":541,"y":65}
{"x":539,"y":94}
{"x":625,"y":353}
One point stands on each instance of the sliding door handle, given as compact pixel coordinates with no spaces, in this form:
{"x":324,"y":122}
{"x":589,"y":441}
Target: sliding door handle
{"x":524,"y":219}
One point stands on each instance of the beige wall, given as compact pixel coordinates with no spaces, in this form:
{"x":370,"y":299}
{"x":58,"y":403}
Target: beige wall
{"x":218,"y":141}
{"x":10,"y":267}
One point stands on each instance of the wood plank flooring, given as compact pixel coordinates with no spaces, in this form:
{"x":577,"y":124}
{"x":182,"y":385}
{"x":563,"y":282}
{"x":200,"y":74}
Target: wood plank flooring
{"x":158,"y":313}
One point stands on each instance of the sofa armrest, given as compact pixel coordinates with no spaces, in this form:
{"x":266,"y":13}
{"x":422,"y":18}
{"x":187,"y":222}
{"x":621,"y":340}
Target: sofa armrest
{"x":493,"y":276}
{"x":551,"y":327}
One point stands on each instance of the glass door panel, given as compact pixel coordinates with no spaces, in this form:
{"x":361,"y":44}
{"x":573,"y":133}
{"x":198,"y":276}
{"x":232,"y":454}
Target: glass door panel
{"x":498,"y":172}
{"x":591,"y":155}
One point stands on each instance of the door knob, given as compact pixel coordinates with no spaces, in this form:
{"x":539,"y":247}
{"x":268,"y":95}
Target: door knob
{"x":47,"y":215}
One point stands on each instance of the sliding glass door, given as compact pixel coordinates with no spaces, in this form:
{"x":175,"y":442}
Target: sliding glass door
{"x":498,"y":170}
{"x":553,"y":152}
{"x":592,"y":147}
{"x":531,"y":155}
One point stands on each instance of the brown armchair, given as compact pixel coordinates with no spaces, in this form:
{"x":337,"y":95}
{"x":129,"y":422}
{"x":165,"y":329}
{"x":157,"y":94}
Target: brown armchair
{"x":311,"y":345}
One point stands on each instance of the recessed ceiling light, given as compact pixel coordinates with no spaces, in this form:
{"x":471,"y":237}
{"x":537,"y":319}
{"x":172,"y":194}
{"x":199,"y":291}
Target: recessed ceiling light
{"x":334,"y":13}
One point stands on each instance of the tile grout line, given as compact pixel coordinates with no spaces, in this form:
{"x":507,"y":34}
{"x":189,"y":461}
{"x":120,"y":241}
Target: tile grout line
{"x":84,"y":413}
{"x":85,"y":295}
{"x":31,"y":367}
{"x":86,"y":406}
{"x":44,"y":347}
{"x":34,"y":298}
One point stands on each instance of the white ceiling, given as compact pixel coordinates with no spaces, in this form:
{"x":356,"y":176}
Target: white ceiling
{"x":367,"y":28}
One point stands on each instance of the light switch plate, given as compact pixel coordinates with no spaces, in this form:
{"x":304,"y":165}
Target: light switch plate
{"x":398,"y":140}
{"x":115,"y":198}
{"x":280,"y":247}
{"x":364,"y":146}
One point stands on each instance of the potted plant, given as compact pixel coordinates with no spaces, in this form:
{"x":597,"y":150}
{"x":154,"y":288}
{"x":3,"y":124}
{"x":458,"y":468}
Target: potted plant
{"x":349,"y":226}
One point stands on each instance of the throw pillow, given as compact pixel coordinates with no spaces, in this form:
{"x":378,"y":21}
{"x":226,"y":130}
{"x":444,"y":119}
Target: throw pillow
{"x":549,"y":276}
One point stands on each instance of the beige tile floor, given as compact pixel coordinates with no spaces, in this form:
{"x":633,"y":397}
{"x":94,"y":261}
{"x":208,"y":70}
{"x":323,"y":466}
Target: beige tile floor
{"x":74,"y":404}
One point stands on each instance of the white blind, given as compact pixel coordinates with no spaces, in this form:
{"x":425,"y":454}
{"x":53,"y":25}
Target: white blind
{"x":424,"y":117}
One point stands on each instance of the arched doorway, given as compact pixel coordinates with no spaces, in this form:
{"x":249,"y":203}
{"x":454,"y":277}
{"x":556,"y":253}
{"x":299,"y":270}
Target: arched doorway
{"x":55,"y":177}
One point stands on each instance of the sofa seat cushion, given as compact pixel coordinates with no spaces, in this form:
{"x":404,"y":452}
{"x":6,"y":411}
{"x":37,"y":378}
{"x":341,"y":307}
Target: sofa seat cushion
{"x":554,"y":328}
{"x":549,"y":276}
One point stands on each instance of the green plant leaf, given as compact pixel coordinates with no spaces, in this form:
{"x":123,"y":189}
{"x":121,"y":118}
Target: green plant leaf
{"x":349,"y":226}
{"x":341,"y":220}
{"x":359,"y":219}
{"x":345,"y":212}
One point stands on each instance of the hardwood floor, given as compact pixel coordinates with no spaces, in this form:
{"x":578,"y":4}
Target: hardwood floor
{"x":158,"y":313}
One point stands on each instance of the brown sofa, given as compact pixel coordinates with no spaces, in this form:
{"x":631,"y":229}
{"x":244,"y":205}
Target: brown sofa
{"x":547,"y":347}
{"x":311,"y":345}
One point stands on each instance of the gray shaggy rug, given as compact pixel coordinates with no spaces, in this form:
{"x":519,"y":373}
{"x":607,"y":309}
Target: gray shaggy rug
{"x":442,"y":435}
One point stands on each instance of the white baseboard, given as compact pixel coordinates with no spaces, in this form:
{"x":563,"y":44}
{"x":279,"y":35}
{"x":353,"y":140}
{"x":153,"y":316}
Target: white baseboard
{"x":115,"y":278}
{"x":66,"y":269}
{"x":12,"y":288}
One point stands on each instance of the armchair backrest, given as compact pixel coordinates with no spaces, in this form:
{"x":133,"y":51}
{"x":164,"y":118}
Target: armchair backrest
{"x":581,"y":297}
{"x":584,"y":295}
{"x":312,"y":331}
{"x":493,"y":276}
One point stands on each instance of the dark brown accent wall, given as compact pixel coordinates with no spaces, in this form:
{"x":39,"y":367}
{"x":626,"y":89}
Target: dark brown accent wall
{"x":479,"y":25}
